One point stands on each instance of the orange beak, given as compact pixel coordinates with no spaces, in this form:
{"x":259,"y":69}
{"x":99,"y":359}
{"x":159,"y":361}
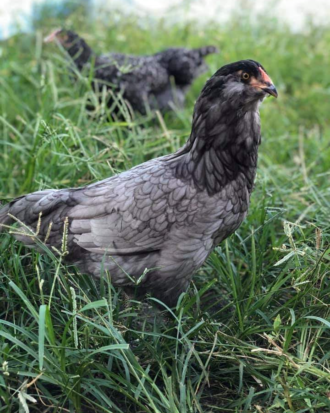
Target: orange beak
{"x":266,"y":84}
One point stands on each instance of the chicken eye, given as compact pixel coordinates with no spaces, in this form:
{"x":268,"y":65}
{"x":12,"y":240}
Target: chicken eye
{"x":245,"y":76}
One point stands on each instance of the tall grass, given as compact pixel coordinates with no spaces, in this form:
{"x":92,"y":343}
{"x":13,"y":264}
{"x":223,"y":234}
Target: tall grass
{"x":252,"y":334}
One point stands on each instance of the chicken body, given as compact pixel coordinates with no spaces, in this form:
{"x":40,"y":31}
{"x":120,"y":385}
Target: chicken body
{"x":169,"y":213}
{"x":143,"y":81}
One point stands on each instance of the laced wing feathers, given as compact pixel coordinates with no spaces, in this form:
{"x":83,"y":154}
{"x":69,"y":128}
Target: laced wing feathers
{"x":129,"y":214}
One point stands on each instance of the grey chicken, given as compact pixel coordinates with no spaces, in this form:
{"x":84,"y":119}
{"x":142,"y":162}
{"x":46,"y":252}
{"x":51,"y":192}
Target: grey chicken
{"x":143,"y":81}
{"x":169,"y":213}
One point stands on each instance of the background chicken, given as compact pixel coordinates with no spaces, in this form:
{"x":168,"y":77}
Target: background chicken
{"x":169,"y":213}
{"x":156,"y":81}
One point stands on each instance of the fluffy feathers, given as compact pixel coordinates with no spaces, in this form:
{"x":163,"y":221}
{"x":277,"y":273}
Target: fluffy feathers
{"x":146,"y":80}
{"x":169,"y":213}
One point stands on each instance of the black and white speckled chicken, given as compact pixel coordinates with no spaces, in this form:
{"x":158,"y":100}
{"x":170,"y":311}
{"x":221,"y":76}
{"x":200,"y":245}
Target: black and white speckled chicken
{"x":144,"y":81}
{"x":169,"y":213}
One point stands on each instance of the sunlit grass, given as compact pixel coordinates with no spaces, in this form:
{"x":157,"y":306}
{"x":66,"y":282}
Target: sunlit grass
{"x":252,"y":333}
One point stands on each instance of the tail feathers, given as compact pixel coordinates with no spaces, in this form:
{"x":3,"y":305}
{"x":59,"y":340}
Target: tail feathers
{"x":9,"y":214}
{"x":5,"y":219}
{"x":206,"y":50}
{"x":43,"y":212}
{"x":27,"y":208}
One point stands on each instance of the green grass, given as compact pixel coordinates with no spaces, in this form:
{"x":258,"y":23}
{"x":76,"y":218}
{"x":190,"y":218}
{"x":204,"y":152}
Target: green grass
{"x":252,"y":334}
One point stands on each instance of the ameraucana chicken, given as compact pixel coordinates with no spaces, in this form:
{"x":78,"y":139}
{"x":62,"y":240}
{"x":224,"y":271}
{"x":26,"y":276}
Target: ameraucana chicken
{"x":143,"y":81}
{"x":169,"y":213}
